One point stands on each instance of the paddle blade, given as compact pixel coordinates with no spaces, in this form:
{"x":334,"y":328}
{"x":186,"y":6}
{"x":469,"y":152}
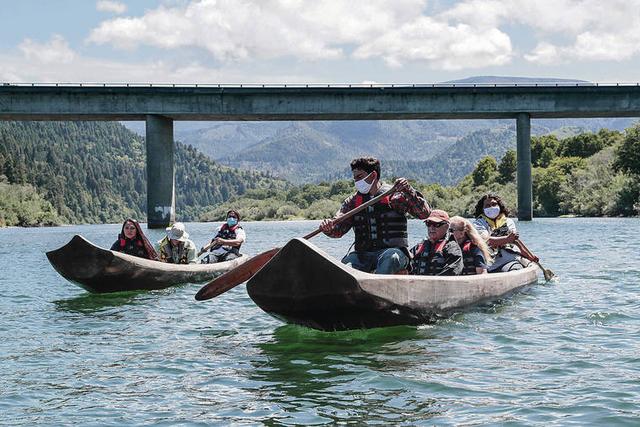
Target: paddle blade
{"x":233,"y":278}
{"x":548,"y":274}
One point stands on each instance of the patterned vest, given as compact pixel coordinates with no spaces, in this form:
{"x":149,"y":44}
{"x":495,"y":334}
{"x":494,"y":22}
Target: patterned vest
{"x":379,"y":226}
{"x":173,"y":254}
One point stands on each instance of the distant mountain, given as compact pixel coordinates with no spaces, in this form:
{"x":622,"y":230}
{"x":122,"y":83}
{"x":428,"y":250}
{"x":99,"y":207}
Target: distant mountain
{"x":451,"y":165}
{"x":514,"y":80}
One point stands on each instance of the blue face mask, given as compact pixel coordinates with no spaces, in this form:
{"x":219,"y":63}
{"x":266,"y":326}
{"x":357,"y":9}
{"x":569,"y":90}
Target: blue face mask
{"x":231,"y":221}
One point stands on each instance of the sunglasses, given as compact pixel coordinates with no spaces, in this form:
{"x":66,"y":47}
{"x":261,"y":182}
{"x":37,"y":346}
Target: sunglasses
{"x":436,"y":224}
{"x":456,"y":229}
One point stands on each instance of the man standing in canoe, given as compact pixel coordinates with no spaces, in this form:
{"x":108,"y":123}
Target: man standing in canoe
{"x":381,"y":238}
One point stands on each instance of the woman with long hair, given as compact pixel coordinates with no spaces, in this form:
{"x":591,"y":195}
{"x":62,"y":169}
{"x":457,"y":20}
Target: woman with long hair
{"x":132,"y":241}
{"x":475,"y":252}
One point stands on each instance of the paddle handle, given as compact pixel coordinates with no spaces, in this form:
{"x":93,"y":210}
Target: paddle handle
{"x":548,"y":274}
{"x":526,"y":252}
{"x":354,"y":211}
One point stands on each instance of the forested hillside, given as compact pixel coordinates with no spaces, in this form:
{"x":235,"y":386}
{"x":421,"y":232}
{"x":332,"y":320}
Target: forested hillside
{"x":94,"y":172}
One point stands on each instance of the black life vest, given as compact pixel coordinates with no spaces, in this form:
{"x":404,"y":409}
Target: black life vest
{"x":229,"y":233}
{"x":428,"y":259}
{"x":500,"y":231}
{"x":468,"y":258}
{"x":132,"y":247}
{"x":379,"y":226}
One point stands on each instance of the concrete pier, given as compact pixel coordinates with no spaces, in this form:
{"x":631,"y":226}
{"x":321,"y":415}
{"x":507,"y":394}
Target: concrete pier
{"x":161,"y":177}
{"x":523,"y":156}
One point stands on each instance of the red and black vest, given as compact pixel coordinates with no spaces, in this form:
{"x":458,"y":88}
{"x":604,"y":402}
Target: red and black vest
{"x":429,"y":259}
{"x":229,"y":233}
{"x":379,"y":226}
{"x":133,"y":247}
{"x":468,"y":258}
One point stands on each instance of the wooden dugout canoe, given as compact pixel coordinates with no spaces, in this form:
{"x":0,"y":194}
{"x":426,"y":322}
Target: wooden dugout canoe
{"x":305,"y":286}
{"x":100,"y":270}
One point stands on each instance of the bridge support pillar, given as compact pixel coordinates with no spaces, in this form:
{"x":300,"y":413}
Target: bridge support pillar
{"x":523,"y":155}
{"x":161,"y":200}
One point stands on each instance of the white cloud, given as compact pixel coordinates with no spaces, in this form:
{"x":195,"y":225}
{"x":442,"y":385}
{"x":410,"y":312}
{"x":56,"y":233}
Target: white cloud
{"x":111,"y":6}
{"x":443,"y":46}
{"x":590,"y":30}
{"x":21,"y":69}
{"x":56,"y":50}
{"x":255,"y":29}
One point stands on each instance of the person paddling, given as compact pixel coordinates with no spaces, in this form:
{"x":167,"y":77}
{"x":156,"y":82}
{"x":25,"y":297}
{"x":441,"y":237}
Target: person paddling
{"x":381,"y":238}
{"x":132,"y":241}
{"x":225,"y":246}
{"x":499,"y":231}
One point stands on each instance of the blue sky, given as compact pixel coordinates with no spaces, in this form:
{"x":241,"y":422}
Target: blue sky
{"x":319,"y":41}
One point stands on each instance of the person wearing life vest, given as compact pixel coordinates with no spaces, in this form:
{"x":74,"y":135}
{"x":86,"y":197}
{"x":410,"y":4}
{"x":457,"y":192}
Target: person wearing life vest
{"x":225,"y":246}
{"x":499,"y":231}
{"x":132,"y":241}
{"x":175,"y":247}
{"x":439,"y":254}
{"x":475,"y":252}
{"x":381,"y":238}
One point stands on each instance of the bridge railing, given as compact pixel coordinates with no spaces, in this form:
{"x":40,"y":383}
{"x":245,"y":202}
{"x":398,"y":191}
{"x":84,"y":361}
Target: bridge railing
{"x":315,"y":85}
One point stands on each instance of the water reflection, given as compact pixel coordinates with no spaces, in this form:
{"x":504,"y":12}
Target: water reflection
{"x":95,"y":303}
{"x":339,"y":376}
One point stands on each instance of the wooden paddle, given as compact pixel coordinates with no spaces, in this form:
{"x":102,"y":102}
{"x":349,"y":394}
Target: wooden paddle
{"x":548,"y":274}
{"x":245,"y":271}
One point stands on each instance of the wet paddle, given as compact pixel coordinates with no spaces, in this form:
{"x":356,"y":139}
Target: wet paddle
{"x":548,"y":274}
{"x":245,"y":271}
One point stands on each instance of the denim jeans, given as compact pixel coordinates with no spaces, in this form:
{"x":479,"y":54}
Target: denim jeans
{"x":383,"y":261}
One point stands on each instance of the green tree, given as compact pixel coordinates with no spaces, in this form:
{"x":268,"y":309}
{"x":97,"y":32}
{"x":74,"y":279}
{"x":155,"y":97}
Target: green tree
{"x":485,"y":172}
{"x":546,"y":188}
{"x":544,"y":149}
{"x":628,"y":153}
{"x":587,"y":144}
{"x":507,"y":167}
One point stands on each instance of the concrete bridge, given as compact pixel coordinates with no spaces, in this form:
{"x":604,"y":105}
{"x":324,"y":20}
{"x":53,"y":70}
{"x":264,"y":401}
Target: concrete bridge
{"x":161,"y":105}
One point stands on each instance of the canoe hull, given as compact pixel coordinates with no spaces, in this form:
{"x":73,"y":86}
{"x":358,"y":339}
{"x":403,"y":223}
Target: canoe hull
{"x":100,"y":270}
{"x":305,"y":286}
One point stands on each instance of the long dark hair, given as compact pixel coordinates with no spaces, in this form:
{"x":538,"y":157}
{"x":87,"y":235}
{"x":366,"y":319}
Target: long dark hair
{"x":480,"y":205}
{"x":151,"y":252}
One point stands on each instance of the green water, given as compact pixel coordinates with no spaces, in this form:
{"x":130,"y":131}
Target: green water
{"x":556,"y":354}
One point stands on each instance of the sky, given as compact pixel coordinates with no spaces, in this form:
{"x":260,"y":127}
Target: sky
{"x":316,"y":41}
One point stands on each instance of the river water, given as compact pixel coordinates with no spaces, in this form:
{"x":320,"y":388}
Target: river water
{"x":561,"y":353}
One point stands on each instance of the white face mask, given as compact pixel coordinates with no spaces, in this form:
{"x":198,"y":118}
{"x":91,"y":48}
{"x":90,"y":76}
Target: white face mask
{"x":363,"y":186}
{"x":492,"y":212}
